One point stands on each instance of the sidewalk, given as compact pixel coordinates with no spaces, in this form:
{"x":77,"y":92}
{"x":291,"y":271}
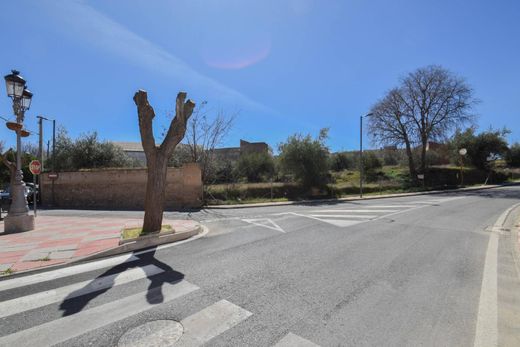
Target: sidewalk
{"x":60,"y":240}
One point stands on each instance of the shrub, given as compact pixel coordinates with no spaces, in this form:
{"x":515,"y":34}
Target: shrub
{"x":255,"y":166}
{"x":306,"y":159}
{"x":513,"y":155}
{"x":340,"y":162}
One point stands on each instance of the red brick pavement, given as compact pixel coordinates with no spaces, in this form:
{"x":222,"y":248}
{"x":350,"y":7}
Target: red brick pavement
{"x":58,"y":240}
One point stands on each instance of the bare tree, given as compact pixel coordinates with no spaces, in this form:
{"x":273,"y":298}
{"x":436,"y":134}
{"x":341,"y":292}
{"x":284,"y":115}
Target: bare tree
{"x":204,"y":135}
{"x":389,"y":125}
{"x":429,"y":103}
{"x":157,"y":156}
{"x":11,"y":166}
{"x":437,"y":101}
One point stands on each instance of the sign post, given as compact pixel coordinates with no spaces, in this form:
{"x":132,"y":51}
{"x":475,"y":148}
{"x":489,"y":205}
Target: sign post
{"x":35,"y":167}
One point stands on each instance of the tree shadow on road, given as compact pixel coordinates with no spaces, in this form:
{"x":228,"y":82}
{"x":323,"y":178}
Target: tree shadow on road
{"x":75,"y":301}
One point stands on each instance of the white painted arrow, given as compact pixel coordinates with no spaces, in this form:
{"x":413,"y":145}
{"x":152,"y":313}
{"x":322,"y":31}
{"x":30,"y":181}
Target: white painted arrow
{"x":266,"y":223}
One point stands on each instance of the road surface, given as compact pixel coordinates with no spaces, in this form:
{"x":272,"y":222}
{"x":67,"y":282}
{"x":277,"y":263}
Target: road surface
{"x":429,"y":270}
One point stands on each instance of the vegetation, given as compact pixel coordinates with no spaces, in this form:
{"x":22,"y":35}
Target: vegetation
{"x":482,"y":149}
{"x":306,"y":159}
{"x":426,"y":106}
{"x":86,"y":152}
{"x":132,"y":233}
{"x":513,"y":155}
{"x":256,"y":167}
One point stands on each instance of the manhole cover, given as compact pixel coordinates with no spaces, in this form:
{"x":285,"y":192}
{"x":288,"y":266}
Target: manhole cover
{"x":156,"y":333}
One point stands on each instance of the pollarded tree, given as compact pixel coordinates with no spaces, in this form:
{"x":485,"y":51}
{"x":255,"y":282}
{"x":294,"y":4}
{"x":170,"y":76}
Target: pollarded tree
{"x":157,"y":156}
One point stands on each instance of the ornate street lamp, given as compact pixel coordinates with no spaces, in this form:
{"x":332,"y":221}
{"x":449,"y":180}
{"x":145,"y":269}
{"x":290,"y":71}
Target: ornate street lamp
{"x":18,"y":218}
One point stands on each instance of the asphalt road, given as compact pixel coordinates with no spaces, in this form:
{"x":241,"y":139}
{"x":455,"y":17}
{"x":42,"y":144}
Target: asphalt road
{"x":404,"y":271}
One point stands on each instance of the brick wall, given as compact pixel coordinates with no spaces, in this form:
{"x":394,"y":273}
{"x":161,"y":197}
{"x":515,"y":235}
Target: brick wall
{"x":121,"y":189}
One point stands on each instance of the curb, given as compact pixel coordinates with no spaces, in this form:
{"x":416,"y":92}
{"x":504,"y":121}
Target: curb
{"x":147,"y":241}
{"x":373,"y":197}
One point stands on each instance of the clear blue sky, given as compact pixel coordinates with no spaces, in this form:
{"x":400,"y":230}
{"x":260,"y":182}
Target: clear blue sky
{"x":287,"y":66}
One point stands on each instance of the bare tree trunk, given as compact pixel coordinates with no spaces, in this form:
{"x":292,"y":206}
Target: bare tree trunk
{"x":157,"y":156}
{"x":424,"y":142}
{"x":411,"y":163}
{"x":154,"y":198}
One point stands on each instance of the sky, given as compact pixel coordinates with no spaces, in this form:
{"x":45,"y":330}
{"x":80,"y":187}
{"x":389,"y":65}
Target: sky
{"x":283,"y":66}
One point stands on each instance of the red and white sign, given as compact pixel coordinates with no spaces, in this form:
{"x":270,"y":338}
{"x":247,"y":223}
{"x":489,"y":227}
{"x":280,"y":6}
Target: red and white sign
{"x":35,"y":167}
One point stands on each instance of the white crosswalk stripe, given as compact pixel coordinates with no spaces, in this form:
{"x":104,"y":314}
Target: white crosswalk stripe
{"x":47,"y":297}
{"x":292,"y":340}
{"x":356,"y":214}
{"x":68,"y":327}
{"x":197,"y":329}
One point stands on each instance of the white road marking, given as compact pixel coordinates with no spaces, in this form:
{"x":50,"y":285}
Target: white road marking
{"x":74,"y":325}
{"x":47,"y":297}
{"x":354,"y":211}
{"x":387,"y":206}
{"x":212,"y":321}
{"x":359,"y":216}
{"x":292,"y":340}
{"x":487,"y":320}
{"x":64,"y":272}
{"x":266,"y":223}
{"x":486,"y":334}
{"x":341,"y":222}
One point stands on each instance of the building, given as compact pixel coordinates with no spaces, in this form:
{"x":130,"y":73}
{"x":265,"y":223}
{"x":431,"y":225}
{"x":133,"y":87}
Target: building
{"x":229,"y":154}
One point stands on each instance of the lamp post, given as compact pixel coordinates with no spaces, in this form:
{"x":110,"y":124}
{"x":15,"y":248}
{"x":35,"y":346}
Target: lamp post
{"x":18,"y":218}
{"x":361,"y":153}
{"x":462,"y":152}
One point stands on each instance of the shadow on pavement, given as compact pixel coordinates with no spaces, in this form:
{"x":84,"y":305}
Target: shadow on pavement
{"x":75,"y":302}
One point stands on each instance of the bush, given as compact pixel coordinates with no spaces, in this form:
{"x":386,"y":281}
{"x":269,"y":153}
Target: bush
{"x":255,"y":167}
{"x":513,"y":155}
{"x":340,"y":162}
{"x":87,"y":152}
{"x":371,"y":165}
{"x":306,"y":159}
{"x":489,"y":144}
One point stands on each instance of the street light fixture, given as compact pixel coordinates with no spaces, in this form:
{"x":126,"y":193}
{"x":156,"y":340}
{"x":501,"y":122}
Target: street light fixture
{"x":361,"y":153}
{"x":462,"y":152}
{"x":18,"y":218}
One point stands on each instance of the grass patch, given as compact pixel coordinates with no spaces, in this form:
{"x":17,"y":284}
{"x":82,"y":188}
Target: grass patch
{"x":6,"y":272}
{"x":132,"y":233}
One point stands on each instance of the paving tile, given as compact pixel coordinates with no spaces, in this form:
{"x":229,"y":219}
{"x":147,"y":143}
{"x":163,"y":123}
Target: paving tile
{"x":35,"y":255}
{"x":62,"y":255}
{"x":101,"y":237}
{"x":57,"y":243}
{"x":34,"y":264}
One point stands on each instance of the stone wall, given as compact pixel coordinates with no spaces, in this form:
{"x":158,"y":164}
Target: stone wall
{"x":121,"y":189}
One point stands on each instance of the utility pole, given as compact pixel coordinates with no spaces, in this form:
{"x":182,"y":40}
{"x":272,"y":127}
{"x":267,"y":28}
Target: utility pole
{"x":53,"y":157}
{"x":361,"y":153}
{"x":40,"y":140}
{"x":361,"y":156}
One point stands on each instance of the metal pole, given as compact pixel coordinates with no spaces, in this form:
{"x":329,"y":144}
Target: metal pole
{"x":35,"y":195}
{"x":40,"y":141}
{"x":461,"y":171}
{"x":53,"y":156}
{"x":361,"y":156}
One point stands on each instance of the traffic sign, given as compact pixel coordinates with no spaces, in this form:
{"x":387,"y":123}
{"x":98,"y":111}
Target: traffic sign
{"x":35,"y":167}
{"x":53,"y":175}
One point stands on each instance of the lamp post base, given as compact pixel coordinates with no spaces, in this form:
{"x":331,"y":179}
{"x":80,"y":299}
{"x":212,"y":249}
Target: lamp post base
{"x":18,"y":224}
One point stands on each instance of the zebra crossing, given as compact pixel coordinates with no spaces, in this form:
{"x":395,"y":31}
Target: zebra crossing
{"x":345,"y":217}
{"x":196,"y":329}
